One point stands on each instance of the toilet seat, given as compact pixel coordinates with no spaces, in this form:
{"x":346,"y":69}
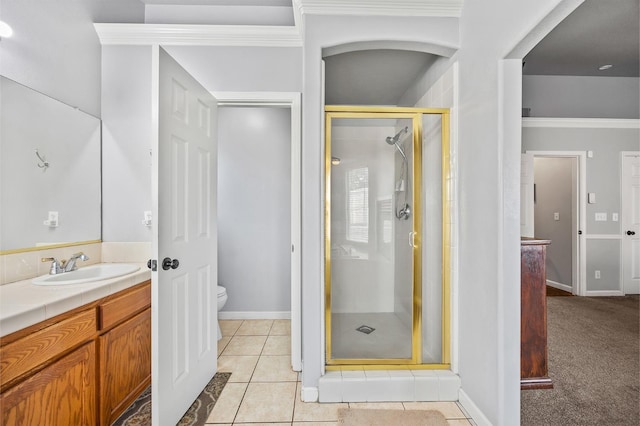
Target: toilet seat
{"x":221,"y":291}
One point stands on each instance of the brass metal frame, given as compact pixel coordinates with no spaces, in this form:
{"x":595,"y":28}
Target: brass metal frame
{"x":48,"y":247}
{"x":415,"y":114}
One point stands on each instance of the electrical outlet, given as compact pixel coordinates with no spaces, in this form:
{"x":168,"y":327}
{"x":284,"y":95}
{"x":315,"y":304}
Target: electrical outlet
{"x":597,"y":275}
{"x":601,"y":217}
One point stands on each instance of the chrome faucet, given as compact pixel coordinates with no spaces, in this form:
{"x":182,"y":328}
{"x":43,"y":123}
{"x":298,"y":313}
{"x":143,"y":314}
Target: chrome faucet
{"x":70,"y":265}
{"x":59,"y":267}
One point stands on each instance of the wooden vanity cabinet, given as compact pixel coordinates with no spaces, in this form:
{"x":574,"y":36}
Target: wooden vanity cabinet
{"x":60,"y":394}
{"x":84,"y":367}
{"x":125,"y":345}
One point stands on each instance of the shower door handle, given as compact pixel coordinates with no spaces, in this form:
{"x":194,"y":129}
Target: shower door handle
{"x":412,"y":239}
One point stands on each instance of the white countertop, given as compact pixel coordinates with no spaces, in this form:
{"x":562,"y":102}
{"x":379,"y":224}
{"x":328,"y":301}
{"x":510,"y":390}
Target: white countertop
{"x":23,"y":304}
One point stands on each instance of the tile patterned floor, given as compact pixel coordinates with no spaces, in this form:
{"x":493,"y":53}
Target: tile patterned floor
{"x":263,"y":390}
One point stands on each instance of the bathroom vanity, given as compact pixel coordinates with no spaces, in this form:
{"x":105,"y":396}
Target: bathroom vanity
{"x":81,"y":367}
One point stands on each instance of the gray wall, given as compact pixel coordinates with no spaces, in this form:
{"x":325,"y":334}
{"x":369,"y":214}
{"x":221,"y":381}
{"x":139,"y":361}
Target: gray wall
{"x":587,"y":97}
{"x":254,"y":214}
{"x":603,"y":179}
{"x":554,"y":184}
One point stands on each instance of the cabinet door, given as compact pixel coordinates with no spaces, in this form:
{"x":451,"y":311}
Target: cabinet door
{"x":125,"y":364}
{"x":61,"y":394}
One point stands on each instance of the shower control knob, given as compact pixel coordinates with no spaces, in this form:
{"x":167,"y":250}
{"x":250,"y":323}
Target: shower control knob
{"x":168,"y":263}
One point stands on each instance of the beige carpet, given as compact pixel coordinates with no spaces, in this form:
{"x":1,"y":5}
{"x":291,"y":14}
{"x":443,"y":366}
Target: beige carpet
{"x":360,"y":417}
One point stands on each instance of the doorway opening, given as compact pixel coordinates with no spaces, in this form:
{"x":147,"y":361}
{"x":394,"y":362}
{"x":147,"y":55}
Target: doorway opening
{"x":559,"y":213}
{"x":387,"y":265}
{"x":289,"y":103}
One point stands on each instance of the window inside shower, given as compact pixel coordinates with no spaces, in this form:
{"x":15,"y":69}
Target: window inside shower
{"x":382,"y":305}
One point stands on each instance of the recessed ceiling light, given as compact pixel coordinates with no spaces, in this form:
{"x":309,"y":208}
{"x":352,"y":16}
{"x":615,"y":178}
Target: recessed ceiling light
{"x":5,"y":29}
{"x":605,"y":67}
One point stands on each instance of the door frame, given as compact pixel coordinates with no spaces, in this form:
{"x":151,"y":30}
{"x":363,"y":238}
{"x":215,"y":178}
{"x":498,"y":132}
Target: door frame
{"x":623,"y":246}
{"x":579,"y":266}
{"x":291,"y":100}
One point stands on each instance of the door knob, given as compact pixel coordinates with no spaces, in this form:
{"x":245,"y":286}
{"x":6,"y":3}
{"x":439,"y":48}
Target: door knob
{"x":167,"y":263}
{"x":152,"y":264}
{"x":631,"y":233}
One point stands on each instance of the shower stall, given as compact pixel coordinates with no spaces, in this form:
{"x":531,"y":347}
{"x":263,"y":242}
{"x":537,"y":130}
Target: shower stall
{"x":386,"y":294}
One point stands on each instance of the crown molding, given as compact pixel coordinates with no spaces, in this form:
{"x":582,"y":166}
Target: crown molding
{"x":198,"y":35}
{"x":437,"y":8}
{"x":583,"y":123}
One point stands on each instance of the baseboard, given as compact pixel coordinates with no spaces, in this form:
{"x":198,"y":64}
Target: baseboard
{"x":472,"y":409}
{"x":309,"y":394}
{"x":235,"y":315}
{"x":596,"y":293}
{"x":560,"y":286}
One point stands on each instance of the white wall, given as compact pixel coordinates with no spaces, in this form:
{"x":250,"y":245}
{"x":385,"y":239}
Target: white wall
{"x":488,"y":167}
{"x":243,"y":69}
{"x":55,"y":49}
{"x":254,"y":199}
{"x":126,"y":142}
{"x":579,"y":96}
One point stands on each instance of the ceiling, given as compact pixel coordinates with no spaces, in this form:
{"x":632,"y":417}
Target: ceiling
{"x":597,"y":33}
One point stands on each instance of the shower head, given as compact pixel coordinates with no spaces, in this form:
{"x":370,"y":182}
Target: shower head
{"x":391,"y":140}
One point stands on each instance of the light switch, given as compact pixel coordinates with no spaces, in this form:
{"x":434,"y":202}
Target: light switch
{"x":614,"y":217}
{"x":556,"y":216}
{"x":601,"y":217}
{"x":591,"y":198}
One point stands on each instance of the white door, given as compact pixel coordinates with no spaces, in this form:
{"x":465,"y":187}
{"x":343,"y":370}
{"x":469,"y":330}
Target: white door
{"x":526,"y":196}
{"x":184,"y":296}
{"x":631,"y":223}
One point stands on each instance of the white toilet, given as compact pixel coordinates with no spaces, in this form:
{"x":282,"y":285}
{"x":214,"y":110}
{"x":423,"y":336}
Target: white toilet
{"x":222,"y":299}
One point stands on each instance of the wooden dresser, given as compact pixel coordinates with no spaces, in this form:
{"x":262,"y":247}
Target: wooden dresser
{"x":534,"y":365}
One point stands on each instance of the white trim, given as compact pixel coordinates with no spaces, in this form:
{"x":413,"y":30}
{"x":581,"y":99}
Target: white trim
{"x":581,"y":278}
{"x":560,"y":286}
{"x":603,"y":237}
{"x":585,"y":123}
{"x":249,"y":315}
{"x":472,"y":409}
{"x":602,"y":293}
{"x":439,"y":8}
{"x":309,"y":394}
{"x":290,"y":100}
{"x":198,"y":35}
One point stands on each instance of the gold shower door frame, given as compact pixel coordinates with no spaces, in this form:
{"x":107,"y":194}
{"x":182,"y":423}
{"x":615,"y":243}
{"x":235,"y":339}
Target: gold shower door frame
{"x":416,"y":115}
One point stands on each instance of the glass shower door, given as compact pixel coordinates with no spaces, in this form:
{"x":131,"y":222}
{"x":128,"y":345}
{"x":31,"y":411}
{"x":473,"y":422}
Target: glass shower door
{"x":372,"y":224}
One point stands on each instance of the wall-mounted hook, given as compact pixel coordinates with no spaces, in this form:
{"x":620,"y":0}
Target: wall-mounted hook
{"x":43,"y":164}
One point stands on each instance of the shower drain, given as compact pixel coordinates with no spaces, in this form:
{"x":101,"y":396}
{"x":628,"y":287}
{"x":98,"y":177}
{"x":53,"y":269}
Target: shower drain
{"x":365,"y":329}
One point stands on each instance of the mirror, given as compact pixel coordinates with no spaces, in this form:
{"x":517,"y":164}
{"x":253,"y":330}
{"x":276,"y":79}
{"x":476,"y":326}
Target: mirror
{"x":49,"y":171}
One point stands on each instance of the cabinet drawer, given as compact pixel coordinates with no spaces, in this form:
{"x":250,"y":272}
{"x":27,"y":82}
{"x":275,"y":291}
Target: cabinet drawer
{"x":120,"y":308}
{"x":23,"y":355}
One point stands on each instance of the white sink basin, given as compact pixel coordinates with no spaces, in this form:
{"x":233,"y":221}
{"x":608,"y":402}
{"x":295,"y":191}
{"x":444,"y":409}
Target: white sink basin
{"x":102,"y":271}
